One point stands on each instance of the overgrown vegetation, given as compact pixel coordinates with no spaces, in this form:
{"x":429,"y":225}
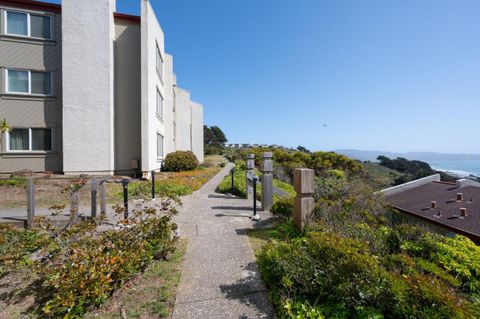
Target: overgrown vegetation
{"x":353,"y":261}
{"x":77,"y":268}
{"x":180,"y":161}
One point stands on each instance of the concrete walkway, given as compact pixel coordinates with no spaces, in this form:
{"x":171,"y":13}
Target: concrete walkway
{"x":220,"y":278}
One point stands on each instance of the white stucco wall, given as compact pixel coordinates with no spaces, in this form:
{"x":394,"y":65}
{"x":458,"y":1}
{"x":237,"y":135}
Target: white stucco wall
{"x":169,"y":105}
{"x":197,"y":130}
{"x":183,"y":119}
{"x":87,"y":65}
{"x":151,"y":34}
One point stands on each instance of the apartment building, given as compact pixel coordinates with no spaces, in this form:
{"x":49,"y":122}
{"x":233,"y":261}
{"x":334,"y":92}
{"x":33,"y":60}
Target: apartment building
{"x":88,"y":90}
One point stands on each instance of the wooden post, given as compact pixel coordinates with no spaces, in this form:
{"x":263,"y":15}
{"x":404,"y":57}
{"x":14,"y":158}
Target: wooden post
{"x":30,"y":203}
{"x":103,"y":199}
{"x":94,"y":197}
{"x":267,"y":181}
{"x":304,"y":180}
{"x":74,"y":202}
{"x":250,"y":174}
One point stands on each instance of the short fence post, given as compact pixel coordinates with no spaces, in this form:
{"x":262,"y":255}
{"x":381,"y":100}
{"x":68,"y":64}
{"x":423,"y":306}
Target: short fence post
{"x":153,"y":184}
{"x":103,"y":199}
{"x":74,"y":202}
{"x":304,"y":180}
{"x":267,"y":181}
{"x":250,"y":173}
{"x":30,"y":203}
{"x":125,"y":197}
{"x":94,"y":196}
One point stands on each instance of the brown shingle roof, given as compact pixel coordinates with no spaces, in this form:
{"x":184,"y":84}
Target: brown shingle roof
{"x":417,"y":202}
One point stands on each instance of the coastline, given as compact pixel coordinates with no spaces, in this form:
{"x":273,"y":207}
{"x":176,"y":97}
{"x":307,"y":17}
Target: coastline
{"x":456,"y":173}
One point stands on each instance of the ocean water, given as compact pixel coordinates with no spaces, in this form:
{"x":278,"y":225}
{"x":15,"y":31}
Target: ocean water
{"x":461,"y":168}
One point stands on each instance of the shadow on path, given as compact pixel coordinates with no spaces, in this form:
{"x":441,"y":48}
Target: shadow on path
{"x":249,"y":291}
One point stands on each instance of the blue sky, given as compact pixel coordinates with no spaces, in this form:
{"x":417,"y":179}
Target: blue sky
{"x":382,"y":75}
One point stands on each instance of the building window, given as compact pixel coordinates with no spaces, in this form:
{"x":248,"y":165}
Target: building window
{"x":159,"y":63}
{"x":29,"y":140}
{"x":28,"y":82}
{"x":159,"y":145}
{"x":28,"y":25}
{"x":159,"y":104}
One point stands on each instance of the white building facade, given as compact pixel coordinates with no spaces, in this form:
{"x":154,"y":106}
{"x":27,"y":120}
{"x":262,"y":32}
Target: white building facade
{"x":110,"y":103}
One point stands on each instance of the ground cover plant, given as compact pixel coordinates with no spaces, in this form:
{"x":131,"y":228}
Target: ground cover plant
{"x":77,"y":268}
{"x":352,"y":261}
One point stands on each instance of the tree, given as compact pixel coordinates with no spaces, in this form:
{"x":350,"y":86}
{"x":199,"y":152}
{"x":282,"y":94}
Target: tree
{"x":214,"y":140}
{"x":4,"y":128}
{"x":303,"y":149}
{"x":213,"y":135}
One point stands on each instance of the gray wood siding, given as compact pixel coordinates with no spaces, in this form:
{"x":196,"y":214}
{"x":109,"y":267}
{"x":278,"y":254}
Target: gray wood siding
{"x":23,"y":111}
{"x":127,"y":95}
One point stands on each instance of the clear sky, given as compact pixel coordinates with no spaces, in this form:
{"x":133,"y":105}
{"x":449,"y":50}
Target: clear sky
{"x":382,"y":75}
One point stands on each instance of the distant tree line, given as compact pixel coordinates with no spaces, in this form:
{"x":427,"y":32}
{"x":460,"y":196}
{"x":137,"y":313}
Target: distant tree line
{"x":411,"y":169}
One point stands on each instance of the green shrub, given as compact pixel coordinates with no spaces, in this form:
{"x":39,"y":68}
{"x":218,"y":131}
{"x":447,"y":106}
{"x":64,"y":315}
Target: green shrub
{"x":180,"y":161}
{"x":92,"y":265}
{"x":283,"y":208}
{"x":326,"y":275}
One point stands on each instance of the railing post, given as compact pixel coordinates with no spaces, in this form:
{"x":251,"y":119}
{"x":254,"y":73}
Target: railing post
{"x":103,"y":199}
{"x":94,"y":196}
{"x":125,"y":197}
{"x":250,"y":174}
{"x":267,"y":181}
{"x":153,"y":184}
{"x":30,"y":203}
{"x":74,"y":202}
{"x":304,"y":180}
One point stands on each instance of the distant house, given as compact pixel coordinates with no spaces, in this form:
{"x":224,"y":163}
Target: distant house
{"x":454,"y":207}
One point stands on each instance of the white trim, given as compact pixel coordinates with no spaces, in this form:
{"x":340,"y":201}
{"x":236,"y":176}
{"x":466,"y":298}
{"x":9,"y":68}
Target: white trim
{"x":30,"y":151}
{"x":29,"y":31}
{"x":163,"y":146}
{"x":160,"y":116}
{"x":29,"y":93}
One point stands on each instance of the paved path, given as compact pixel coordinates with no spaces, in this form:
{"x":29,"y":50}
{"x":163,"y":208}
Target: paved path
{"x":220,"y":278}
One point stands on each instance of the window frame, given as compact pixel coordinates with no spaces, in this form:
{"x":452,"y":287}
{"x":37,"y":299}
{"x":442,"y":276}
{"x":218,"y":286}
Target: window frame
{"x":159,"y":67}
{"x":29,"y":25}
{"x":162,"y":156}
{"x":30,"y":141}
{"x":29,"y":93}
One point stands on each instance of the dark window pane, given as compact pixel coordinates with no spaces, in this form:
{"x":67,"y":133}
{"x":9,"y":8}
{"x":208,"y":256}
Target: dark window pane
{"x":18,"y":139}
{"x":41,"y":83}
{"x":17,"y":81}
{"x":41,"y":139}
{"x":40,"y":27}
{"x":17,"y":23}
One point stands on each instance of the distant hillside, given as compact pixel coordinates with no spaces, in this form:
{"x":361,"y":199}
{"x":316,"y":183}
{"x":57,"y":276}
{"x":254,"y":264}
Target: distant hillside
{"x":421,"y":156}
